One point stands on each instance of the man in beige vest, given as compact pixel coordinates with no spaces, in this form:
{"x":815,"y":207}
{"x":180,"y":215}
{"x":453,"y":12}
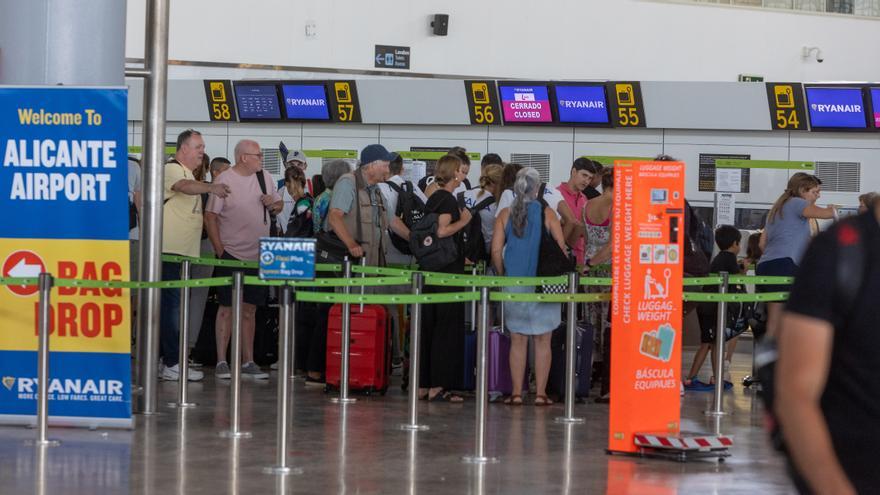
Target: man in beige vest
{"x":361,"y":231}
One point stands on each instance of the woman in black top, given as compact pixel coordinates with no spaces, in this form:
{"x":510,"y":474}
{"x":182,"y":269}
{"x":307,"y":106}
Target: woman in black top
{"x":442,"y":349}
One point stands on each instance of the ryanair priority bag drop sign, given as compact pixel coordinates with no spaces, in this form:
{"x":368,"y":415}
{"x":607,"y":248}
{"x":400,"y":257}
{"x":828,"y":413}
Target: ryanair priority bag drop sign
{"x":63,"y":194}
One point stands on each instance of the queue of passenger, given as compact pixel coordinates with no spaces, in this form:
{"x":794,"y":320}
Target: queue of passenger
{"x":362,"y":213}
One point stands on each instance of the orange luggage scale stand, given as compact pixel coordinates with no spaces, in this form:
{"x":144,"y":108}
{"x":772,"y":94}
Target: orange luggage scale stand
{"x":648,"y":236}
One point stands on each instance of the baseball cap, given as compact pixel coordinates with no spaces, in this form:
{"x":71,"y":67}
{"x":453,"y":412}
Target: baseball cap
{"x":296,"y":156}
{"x":375,"y":152}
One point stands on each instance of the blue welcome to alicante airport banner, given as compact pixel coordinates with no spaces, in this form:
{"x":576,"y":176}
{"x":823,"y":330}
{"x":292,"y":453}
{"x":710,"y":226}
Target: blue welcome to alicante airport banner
{"x":64,"y":204}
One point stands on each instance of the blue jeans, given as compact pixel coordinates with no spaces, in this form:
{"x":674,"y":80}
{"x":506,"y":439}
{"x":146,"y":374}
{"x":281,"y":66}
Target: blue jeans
{"x":169,"y":320}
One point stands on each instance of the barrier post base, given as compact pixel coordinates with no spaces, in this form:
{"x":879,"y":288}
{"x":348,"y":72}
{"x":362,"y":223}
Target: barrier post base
{"x":409,"y":427}
{"x":473,"y":459}
{"x":282,"y":470}
{"x":235,"y":434}
{"x":42,"y":443}
{"x":716,"y":414}
{"x":684,"y":446}
{"x":569,"y":421}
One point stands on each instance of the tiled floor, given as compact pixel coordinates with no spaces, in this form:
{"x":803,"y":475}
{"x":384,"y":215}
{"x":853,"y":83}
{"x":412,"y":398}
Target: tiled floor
{"x":358,"y":449}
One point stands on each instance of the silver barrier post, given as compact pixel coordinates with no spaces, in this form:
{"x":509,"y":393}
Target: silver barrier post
{"x":415,"y":330}
{"x":474,"y":304}
{"x":345,"y":340}
{"x":44,"y":306}
{"x":720,"y":327}
{"x":363,"y":275}
{"x":570,"y":354}
{"x":285,"y":318}
{"x":234,"y":430}
{"x":183,"y":327}
{"x":479,"y":456}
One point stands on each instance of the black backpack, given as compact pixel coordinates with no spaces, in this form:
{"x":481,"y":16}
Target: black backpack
{"x":410,"y":209}
{"x":431,"y":251}
{"x":301,"y":224}
{"x":473,"y":241}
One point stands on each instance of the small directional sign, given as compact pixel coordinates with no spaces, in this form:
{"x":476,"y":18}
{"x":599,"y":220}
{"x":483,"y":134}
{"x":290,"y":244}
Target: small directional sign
{"x":392,"y":57}
{"x":287,"y":258}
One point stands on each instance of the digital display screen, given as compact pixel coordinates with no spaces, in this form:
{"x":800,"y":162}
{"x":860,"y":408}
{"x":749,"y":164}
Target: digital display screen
{"x":257,"y":101}
{"x":582,"y":104}
{"x":836,"y":108}
{"x":526,"y":104}
{"x":875,"y":100}
{"x":305,"y":101}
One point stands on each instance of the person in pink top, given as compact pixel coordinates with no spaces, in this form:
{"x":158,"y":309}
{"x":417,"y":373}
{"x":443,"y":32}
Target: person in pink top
{"x":235,"y":225}
{"x":572,"y":191}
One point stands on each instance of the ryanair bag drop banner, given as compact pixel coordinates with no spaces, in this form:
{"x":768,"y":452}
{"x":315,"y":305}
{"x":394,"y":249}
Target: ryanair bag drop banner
{"x":64,"y":204}
{"x":648,"y":235}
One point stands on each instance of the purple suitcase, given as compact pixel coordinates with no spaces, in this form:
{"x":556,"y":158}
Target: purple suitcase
{"x":500,"y":382}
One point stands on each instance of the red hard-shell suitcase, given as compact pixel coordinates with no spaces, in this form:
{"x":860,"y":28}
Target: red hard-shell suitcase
{"x":369,"y":359}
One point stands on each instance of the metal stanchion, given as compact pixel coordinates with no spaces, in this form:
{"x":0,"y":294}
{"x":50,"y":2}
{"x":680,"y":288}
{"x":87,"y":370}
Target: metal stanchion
{"x":346,"y":341}
{"x":183,"y":327}
{"x":474,"y":304}
{"x":44,"y":307}
{"x":570,"y":354}
{"x":363,"y":275}
{"x":720,"y":327}
{"x":234,"y":430}
{"x":479,"y":456}
{"x":285,"y":318}
{"x":415,"y":330}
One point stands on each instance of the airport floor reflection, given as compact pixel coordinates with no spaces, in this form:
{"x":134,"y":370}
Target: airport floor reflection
{"x":358,"y":448}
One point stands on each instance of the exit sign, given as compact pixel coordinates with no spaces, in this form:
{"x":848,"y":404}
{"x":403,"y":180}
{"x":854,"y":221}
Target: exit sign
{"x":750,"y":78}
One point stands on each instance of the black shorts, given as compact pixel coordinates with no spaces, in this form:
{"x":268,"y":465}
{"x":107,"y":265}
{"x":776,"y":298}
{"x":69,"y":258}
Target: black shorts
{"x":708,"y":320}
{"x":256,"y":295}
{"x":782,"y":267}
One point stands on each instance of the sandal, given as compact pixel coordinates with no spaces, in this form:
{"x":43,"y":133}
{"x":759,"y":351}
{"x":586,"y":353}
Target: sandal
{"x":543,"y":400}
{"x":513,"y":400}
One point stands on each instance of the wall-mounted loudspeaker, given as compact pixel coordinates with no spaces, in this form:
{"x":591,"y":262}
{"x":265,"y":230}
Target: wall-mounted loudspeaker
{"x":440,"y":23}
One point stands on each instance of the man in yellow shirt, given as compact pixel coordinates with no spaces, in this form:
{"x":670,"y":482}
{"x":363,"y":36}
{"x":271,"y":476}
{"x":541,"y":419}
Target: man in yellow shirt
{"x":181,"y":235}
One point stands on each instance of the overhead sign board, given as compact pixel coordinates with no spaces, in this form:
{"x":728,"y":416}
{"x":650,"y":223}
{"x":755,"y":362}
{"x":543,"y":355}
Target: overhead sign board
{"x":257,"y":101}
{"x":287,"y":258}
{"x":627,"y":106}
{"x":836,"y":108}
{"x":787,"y":109}
{"x":344,"y":101}
{"x":220,"y":105}
{"x":525,"y":103}
{"x":392,"y":57}
{"x":482,"y":98}
{"x":581,"y":104}
{"x":305,"y":101}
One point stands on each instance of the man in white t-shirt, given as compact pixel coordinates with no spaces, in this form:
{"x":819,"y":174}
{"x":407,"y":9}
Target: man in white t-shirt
{"x":389,"y":197}
{"x":552,"y":196}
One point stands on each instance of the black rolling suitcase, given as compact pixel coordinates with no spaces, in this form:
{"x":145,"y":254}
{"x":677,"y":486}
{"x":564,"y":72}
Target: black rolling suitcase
{"x":583,"y":363}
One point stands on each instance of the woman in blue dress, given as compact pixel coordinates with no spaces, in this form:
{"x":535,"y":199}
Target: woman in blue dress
{"x":515,"y":250}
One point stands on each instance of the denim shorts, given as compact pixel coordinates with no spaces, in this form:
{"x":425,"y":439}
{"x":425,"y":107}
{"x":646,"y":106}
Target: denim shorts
{"x":781,"y":267}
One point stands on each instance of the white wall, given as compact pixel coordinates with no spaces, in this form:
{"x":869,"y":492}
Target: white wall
{"x":560,"y":39}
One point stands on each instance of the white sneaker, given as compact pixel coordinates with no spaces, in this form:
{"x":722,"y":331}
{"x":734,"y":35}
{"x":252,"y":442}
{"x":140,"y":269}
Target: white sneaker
{"x":251,"y":370}
{"x":274,"y":366}
{"x":222,"y":371}
{"x":172,"y":373}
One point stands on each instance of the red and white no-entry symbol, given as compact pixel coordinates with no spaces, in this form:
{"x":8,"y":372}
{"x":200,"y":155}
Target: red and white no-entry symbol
{"x":25,"y":264}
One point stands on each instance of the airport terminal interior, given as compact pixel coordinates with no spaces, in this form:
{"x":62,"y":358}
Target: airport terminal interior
{"x":685,"y":116}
